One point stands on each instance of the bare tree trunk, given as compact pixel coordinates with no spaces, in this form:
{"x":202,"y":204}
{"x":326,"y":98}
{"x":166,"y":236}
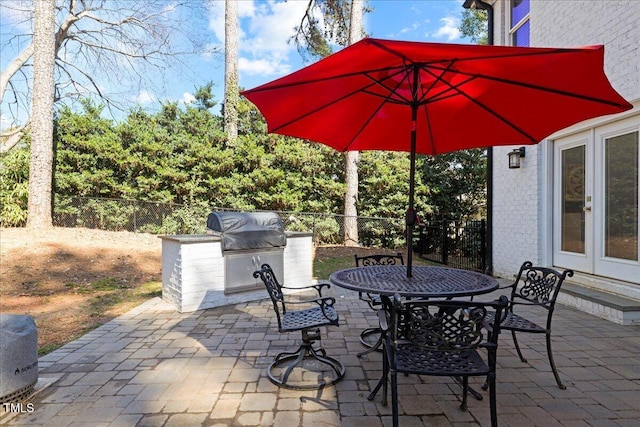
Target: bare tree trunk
{"x":231,"y":71}
{"x":352,"y":157}
{"x":40,"y":170}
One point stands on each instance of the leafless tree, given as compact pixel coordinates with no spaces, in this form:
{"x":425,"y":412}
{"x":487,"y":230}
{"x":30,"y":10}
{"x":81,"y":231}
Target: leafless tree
{"x":231,"y":94}
{"x":326,"y":22}
{"x":104,"y":48}
{"x":352,"y":157}
{"x":91,"y":40}
{"x":39,"y":204}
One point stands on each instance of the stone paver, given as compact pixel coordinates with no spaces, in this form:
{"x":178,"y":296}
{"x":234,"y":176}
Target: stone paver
{"x":156,"y":367}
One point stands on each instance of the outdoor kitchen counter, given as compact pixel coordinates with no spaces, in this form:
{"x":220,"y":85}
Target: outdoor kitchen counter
{"x":193,"y":272}
{"x":191,"y":238}
{"x":196,"y":238}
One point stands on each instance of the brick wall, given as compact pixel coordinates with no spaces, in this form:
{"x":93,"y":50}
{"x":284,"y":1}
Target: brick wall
{"x":613,"y":23}
{"x":518,"y":224}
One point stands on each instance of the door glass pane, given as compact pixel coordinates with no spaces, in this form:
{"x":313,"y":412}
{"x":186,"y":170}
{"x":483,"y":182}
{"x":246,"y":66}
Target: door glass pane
{"x":621,"y":197}
{"x":573,"y":196}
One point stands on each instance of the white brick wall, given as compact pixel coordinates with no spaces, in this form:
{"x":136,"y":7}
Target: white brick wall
{"x":298,"y":259}
{"x":613,"y":23}
{"x":193,"y":271}
{"x":516,"y":211}
{"x":518,"y":193}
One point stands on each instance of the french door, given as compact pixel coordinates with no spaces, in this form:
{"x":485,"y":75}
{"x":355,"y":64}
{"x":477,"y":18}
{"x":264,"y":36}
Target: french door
{"x":596,"y":222}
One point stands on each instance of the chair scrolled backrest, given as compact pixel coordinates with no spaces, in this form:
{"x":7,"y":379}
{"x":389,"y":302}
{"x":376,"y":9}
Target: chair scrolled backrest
{"x":273,"y":287}
{"x":446,"y":325}
{"x":538,"y":285}
{"x":379,"y":259}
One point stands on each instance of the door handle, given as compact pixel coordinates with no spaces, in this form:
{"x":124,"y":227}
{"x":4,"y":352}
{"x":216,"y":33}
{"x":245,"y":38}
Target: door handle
{"x":586,"y":209}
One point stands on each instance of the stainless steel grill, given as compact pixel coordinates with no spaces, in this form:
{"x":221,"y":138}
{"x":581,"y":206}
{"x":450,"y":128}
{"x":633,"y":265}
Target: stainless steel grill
{"x":248,"y":239}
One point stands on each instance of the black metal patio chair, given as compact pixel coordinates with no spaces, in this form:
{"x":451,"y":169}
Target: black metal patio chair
{"x":317,"y":312}
{"x":538,"y":288}
{"x":440,"y":338}
{"x":372,"y":337}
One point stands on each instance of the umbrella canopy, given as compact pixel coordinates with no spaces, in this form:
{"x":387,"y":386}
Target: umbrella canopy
{"x":433,"y":98}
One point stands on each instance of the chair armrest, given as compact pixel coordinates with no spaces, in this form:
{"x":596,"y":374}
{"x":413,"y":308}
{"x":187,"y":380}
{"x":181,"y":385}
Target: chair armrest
{"x":383,"y":321}
{"x":510,"y":286}
{"x":318,"y":287}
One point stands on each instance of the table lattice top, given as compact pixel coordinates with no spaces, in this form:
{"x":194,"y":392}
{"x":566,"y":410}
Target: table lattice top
{"x":426,"y":282}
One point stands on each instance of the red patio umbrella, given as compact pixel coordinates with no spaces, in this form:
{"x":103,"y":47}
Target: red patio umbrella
{"x":433,"y":98}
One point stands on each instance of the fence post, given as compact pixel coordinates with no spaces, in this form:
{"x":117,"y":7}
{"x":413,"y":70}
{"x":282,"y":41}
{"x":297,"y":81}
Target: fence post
{"x":445,"y":242}
{"x":135,"y":218}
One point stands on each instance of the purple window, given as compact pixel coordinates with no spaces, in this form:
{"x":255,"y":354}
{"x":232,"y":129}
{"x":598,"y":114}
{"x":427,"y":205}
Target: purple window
{"x":521,"y":35}
{"x":520,"y":13}
{"x":519,"y":9}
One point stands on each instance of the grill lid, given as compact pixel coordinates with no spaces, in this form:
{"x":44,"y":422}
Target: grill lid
{"x":248,"y":230}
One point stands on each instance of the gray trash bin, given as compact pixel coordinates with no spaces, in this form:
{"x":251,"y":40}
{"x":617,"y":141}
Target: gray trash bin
{"x":18,"y":357}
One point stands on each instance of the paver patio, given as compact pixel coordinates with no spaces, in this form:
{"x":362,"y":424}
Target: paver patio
{"x":156,"y":367}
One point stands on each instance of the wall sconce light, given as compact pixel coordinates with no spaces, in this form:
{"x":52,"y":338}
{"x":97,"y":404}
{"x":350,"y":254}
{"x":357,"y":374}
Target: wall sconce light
{"x":514,"y":158}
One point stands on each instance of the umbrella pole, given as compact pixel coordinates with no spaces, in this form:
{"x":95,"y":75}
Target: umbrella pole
{"x":411,"y":214}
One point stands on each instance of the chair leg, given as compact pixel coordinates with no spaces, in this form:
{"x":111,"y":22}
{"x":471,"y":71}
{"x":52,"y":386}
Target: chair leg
{"x":289,"y":360}
{"x":552,"y":363}
{"x":383,"y":382}
{"x":515,"y":342}
{"x":492,"y":400}
{"x":394,"y":398}
{"x":376,"y":346}
{"x":465,"y":390}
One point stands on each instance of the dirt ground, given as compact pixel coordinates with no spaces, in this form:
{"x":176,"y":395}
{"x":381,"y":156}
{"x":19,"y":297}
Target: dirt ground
{"x":74,"y":279}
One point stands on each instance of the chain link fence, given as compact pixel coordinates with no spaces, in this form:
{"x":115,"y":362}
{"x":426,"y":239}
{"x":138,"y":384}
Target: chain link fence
{"x":167,"y":218}
{"x":460,"y":244}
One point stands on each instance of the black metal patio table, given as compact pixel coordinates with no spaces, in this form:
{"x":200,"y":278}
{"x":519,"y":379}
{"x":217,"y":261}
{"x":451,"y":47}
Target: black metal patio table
{"x":425,"y":282}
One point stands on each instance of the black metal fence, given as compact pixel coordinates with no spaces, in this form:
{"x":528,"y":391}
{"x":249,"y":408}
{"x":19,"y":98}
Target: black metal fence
{"x":461,"y":244}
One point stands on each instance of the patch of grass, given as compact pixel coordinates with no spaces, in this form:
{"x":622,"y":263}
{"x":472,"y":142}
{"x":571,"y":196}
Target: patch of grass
{"x":100,"y":304}
{"x":322,"y":269}
{"x":107,"y":284}
{"x":119,"y":299}
{"x":46,"y":349}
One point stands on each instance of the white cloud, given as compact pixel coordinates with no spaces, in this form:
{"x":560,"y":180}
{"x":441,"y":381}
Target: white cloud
{"x":188,"y":98}
{"x":145,"y":97}
{"x":449,"y":28}
{"x":410,"y":28}
{"x":255,"y":67}
{"x":264,"y":33}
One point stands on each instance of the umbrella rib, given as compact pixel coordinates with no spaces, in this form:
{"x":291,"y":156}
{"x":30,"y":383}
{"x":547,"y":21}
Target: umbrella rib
{"x":535,"y":87}
{"x":274,"y":86}
{"x":389,"y":89}
{"x":319,"y":108}
{"x":386,"y":99}
{"x":563,"y":51}
{"x":483,"y":106}
{"x":364,"y":125}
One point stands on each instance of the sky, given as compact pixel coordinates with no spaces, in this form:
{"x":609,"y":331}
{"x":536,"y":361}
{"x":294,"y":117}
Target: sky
{"x":265,"y":28}
{"x":264,"y":51}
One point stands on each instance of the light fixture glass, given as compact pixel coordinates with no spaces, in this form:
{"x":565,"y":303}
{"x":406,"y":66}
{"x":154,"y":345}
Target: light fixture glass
{"x":514,"y":157}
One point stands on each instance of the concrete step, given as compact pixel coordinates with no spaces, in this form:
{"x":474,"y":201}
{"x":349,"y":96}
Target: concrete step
{"x":620,"y":309}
